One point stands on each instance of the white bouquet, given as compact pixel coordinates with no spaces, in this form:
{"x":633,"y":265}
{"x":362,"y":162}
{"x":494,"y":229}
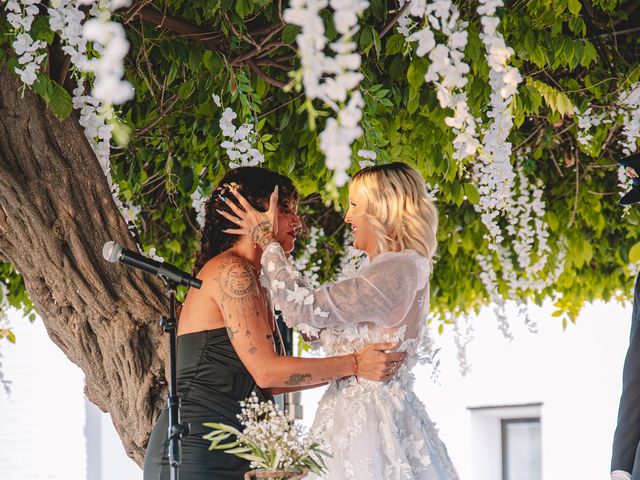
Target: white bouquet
{"x":269,"y":440}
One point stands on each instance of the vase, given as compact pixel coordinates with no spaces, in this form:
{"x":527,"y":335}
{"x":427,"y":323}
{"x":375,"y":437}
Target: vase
{"x":275,"y":474}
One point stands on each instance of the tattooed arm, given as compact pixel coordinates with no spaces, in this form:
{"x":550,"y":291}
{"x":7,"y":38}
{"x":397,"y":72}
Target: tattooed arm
{"x":245,"y":312}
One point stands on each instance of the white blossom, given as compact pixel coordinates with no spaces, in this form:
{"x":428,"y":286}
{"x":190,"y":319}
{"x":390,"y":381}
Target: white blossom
{"x":447,"y":70}
{"x":274,"y":442}
{"x":629,"y":107}
{"x":30,"y":52}
{"x":303,"y":262}
{"x":109,"y":67}
{"x":332,"y":79}
{"x":239,"y":143}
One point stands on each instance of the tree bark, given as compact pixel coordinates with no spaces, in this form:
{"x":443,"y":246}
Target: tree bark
{"x":56,"y":212}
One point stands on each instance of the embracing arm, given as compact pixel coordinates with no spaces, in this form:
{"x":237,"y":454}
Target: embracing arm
{"x":281,"y":390}
{"x":244,"y":312}
{"x":382,"y":294}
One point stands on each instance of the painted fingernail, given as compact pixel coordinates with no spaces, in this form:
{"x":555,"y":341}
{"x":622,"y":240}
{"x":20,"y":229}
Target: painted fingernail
{"x":224,"y":199}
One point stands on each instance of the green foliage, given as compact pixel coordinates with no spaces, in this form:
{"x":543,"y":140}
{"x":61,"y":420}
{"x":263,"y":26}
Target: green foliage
{"x":564,"y":49}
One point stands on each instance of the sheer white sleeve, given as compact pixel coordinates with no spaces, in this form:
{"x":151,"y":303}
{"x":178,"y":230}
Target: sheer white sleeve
{"x":382,"y":293}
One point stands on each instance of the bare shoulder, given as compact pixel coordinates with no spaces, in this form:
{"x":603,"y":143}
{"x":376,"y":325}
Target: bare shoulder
{"x":231,"y":275}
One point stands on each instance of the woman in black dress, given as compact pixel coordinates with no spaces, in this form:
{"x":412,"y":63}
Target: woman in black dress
{"x":226,"y":334}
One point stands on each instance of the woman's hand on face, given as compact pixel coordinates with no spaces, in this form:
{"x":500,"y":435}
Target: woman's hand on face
{"x":374,"y":363}
{"x":260,"y":227}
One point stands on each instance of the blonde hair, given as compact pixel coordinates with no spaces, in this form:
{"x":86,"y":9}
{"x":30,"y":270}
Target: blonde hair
{"x":401,"y":215}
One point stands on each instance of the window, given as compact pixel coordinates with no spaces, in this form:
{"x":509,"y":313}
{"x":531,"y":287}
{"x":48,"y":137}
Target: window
{"x":521,"y":449}
{"x":506,"y":442}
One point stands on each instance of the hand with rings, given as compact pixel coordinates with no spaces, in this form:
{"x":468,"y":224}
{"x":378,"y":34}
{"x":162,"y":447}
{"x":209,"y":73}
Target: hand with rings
{"x":261,"y":227}
{"x":378,"y":361}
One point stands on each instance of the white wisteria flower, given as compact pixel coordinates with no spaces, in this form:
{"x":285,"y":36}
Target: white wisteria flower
{"x":332,"y":79}
{"x":240,"y":141}
{"x":303,"y":262}
{"x":629,"y":108}
{"x":30,"y":52}
{"x":447,"y":70}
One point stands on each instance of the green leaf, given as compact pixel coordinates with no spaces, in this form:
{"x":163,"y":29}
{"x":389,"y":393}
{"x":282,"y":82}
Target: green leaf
{"x":366,"y":39}
{"x":61,"y":103}
{"x":530,"y":41}
{"x":40,"y":29}
{"x":377,"y":44}
{"x":634,"y":253}
{"x":243,"y":7}
{"x":538,"y":56}
{"x":555,"y":99}
{"x":186,"y":89}
{"x":590,"y":54}
{"x":289,"y":33}
{"x":574,"y":7}
{"x":212,"y":62}
{"x":472,"y":193}
{"x":55,"y":96}
{"x":395,"y":44}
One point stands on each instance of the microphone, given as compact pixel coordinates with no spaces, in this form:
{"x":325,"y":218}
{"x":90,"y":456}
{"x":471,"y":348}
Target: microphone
{"x":113,"y":252}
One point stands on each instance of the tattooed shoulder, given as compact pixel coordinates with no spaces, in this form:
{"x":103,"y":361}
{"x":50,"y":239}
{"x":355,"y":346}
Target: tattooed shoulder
{"x":236,"y":278}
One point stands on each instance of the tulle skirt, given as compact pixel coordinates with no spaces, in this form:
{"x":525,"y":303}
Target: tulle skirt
{"x":379,"y":431}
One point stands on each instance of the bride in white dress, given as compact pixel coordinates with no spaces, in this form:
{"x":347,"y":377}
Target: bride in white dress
{"x":375,"y":430}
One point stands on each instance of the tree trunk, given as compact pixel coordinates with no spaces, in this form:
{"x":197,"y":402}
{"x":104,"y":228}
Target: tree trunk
{"x":56,"y":212}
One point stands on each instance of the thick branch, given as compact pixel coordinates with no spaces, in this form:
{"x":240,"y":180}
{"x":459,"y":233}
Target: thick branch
{"x":264,"y":76}
{"x":214,"y":41}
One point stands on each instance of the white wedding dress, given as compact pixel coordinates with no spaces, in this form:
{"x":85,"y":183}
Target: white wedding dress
{"x":375,"y":430}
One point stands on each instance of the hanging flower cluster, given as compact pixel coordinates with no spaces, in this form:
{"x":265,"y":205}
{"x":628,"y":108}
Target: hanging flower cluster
{"x":4,"y":330}
{"x":406,"y":24}
{"x":65,"y":18}
{"x":332,"y":78}
{"x":96,"y":119}
{"x":586,"y":121}
{"x":493,"y":172}
{"x":240,"y":141}
{"x":630,"y":109}
{"x":199,"y":203}
{"x":302,"y":263}
{"x":30,"y":52}
{"x":462,"y":336}
{"x":447,"y":69}
{"x":624,"y":181}
{"x":110,"y":41}
{"x":529,"y":239}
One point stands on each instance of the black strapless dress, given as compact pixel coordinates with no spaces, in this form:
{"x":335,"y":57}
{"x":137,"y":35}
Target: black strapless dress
{"x":211,"y":382}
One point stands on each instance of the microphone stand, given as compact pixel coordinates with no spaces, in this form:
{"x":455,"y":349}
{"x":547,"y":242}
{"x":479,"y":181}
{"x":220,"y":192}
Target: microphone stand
{"x":176,"y":430}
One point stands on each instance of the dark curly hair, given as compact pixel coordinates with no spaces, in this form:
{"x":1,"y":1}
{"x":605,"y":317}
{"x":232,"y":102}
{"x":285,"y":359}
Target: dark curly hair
{"x":256,"y":185}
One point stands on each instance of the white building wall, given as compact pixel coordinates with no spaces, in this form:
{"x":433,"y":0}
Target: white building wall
{"x":48,"y":429}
